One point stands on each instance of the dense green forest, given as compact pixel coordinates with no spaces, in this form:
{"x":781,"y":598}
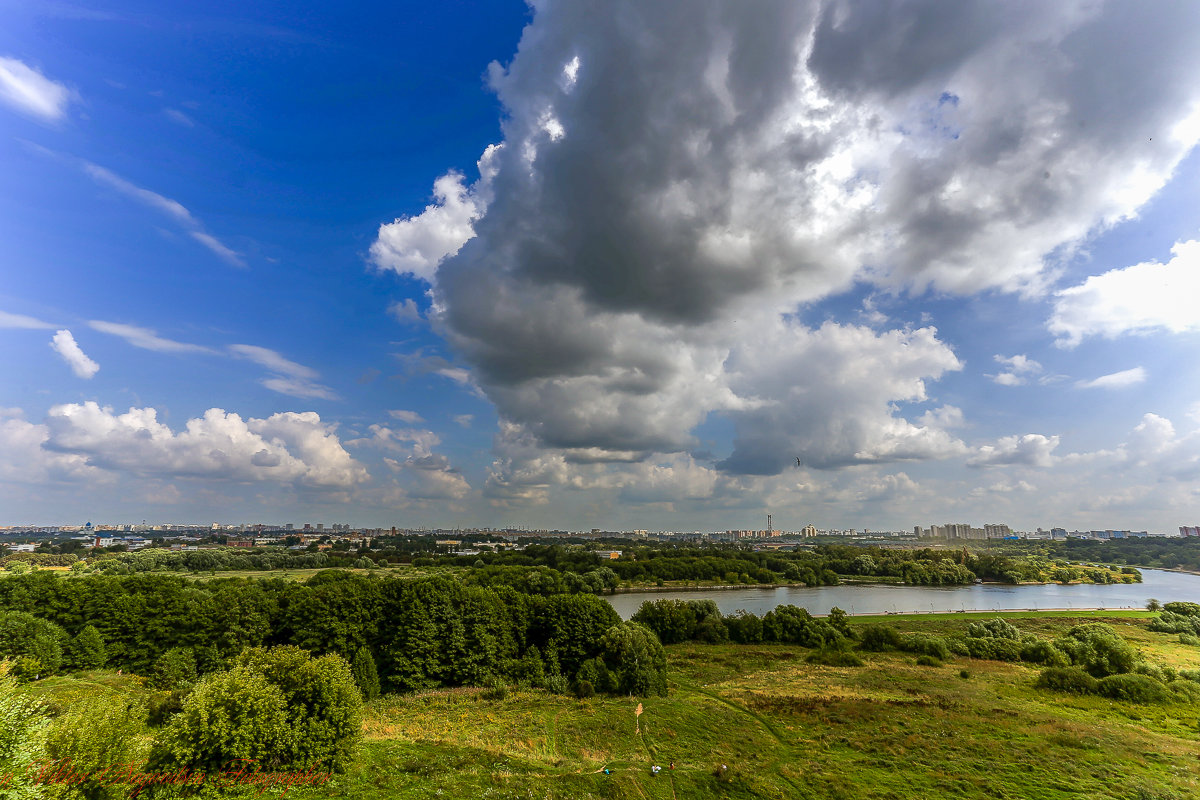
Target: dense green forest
{"x":823,"y":565}
{"x":1156,"y":552}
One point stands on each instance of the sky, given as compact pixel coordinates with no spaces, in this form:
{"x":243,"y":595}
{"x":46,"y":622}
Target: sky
{"x":642,"y":266}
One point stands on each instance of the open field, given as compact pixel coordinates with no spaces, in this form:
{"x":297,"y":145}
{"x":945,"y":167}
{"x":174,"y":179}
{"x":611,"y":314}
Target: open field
{"x":784,"y":728}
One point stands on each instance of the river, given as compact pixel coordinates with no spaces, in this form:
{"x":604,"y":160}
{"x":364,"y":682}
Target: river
{"x":884,"y":599}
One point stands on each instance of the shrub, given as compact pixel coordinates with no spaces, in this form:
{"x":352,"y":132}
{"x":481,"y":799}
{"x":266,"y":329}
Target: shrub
{"x":1170,"y":622}
{"x":280,"y":706}
{"x":100,"y":735}
{"x":711,"y":630}
{"x":1067,"y":679}
{"x":1184,"y":609}
{"x":925,"y":645}
{"x":1189,"y":639}
{"x":878,"y":638}
{"x":1043,"y":652}
{"x":87,"y":650}
{"x":964,"y":674}
{"x":928,"y":661}
{"x":557,"y":683}
{"x":1189,"y":675}
{"x":366,"y":676}
{"x":635,"y":659}
{"x":594,"y":672}
{"x":1098,"y":649}
{"x":1154,"y":671}
{"x":993,"y":629}
{"x":23,"y":634}
{"x":833,"y":656}
{"x":232,"y":715}
{"x":22,"y":738}
{"x":584,"y":689}
{"x":1133,"y":688}
{"x":495,"y":689}
{"x":1186,"y":691}
{"x":744,"y":628}
{"x":175,"y":669}
{"x":161,"y":706}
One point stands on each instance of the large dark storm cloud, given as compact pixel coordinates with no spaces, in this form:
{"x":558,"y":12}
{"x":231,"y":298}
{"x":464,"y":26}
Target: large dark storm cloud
{"x":676,"y":178}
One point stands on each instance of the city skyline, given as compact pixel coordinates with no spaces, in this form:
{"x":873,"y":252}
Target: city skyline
{"x":667,"y":269}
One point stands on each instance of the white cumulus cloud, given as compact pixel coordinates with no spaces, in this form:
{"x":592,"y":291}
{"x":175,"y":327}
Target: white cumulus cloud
{"x":1030,"y":450}
{"x":1140,"y":299}
{"x":287,"y":447}
{"x":65,"y":345}
{"x":417,"y":245}
{"x":1018,"y":370}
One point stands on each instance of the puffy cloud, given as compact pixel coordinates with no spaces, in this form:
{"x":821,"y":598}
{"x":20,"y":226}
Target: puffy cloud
{"x":417,"y":245}
{"x":828,"y":398}
{"x":287,"y":447}
{"x":1115,"y":380}
{"x":523,"y":472}
{"x":65,"y":345}
{"x":427,"y":475}
{"x":1018,"y":370}
{"x":1030,"y":450}
{"x":435,"y":480}
{"x":675,"y":182}
{"x":28,"y":91}
{"x":291,"y":379}
{"x":417,"y":442}
{"x":1156,"y":449}
{"x":8,"y":320}
{"x":24,"y":460}
{"x":1140,"y":299}
{"x":405,"y":311}
{"x":146,"y":338}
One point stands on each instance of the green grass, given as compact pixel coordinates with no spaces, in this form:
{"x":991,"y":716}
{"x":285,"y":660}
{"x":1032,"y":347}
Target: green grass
{"x":786,"y":729}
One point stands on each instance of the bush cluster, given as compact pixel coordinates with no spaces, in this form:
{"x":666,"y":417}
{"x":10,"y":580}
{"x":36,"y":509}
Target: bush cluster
{"x":675,"y":621}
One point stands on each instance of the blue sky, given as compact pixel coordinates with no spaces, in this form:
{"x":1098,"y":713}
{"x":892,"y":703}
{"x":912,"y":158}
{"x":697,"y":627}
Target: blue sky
{"x":486,"y":264}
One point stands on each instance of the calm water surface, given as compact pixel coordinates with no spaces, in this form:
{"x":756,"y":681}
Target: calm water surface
{"x":877,"y":599}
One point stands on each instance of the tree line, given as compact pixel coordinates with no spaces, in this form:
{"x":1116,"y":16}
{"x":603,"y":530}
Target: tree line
{"x":409,"y":634}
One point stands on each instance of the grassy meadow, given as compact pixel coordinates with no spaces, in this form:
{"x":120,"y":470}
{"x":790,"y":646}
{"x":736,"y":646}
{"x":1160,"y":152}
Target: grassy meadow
{"x":783,"y":728}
